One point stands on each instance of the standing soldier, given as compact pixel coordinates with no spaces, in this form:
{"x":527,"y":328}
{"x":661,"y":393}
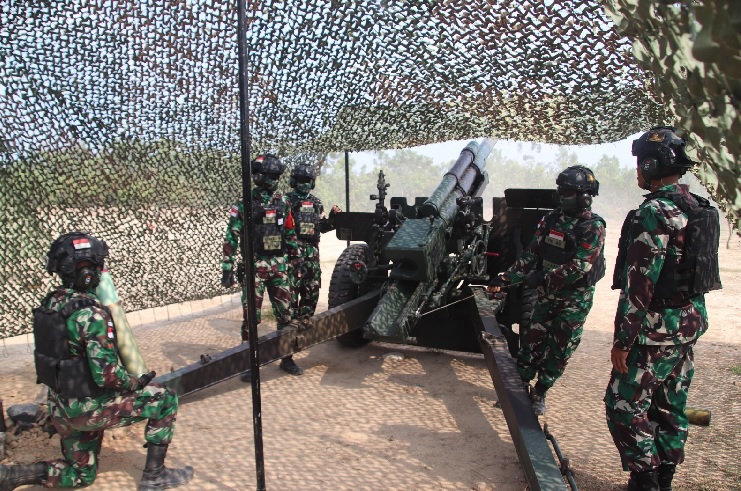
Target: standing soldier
{"x":666,"y":263}
{"x":563,"y":262}
{"x":308,"y":213}
{"x":273,"y":243}
{"x":89,"y":389}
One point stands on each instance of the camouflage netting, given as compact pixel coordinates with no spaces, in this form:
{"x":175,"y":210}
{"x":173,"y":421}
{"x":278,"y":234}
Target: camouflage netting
{"x":694,"y":54}
{"x":120,"y":117}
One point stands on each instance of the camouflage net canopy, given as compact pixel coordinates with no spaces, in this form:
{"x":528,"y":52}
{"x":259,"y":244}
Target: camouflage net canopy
{"x":121,"y":117}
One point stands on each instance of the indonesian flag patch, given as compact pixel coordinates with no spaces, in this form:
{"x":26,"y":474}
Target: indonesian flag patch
{"x":234,"y":211}
{"x":270,"y":216}
{"x":307,"y":206}
{"x":81,"y":244}
{"x":556,"y":238}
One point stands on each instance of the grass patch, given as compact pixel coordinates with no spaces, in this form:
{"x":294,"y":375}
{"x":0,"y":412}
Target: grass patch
{"x":736,"y":370}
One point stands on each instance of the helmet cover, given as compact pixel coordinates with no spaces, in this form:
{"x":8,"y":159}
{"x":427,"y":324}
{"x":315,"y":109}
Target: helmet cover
{"x":71,"y":249}
{"x":660,"y":152}
{"x":303,"y":178}
{"x":578,"y":178}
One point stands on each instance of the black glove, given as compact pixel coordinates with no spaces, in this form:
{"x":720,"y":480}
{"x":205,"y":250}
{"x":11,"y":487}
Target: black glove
{"x":534,"y":278}
{"x":145,"y":379}
{"x":227,"y":278}
{"x":499,"y":281}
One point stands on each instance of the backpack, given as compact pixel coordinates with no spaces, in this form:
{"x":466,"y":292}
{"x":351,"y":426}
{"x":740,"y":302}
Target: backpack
{"x":698,"y":272}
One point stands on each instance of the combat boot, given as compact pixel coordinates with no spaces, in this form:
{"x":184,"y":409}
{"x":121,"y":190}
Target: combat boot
{"x":666,"y":474}
{"x":288,"y":365}
{"x":12,"y":476}
{"x":157,"y":476}
{"x":643,"y":481}
{"x":538,"y":399}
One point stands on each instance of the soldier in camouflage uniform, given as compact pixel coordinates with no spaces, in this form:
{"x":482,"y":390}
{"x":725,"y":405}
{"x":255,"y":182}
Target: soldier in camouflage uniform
{"x":563,"y":262}
{"x":308,"y":214}
{"x":274,"y":244}
{"x":89,"y":389}
{"x":658,"y":320}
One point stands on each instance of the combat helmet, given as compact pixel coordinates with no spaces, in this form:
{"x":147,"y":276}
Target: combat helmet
{"x":576,"y":188}
{"x":71,"y":249}
{"x":660,"y":153}
{"x":267,"y":170}
{"x":303,"y":174}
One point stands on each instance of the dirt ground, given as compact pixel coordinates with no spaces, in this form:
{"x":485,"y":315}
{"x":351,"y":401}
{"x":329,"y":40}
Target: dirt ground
{"x":387,"y":417}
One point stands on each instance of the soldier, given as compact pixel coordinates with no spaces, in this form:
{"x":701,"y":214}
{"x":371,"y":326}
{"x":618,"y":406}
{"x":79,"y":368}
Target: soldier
{"x":89,"y":390}
{"x":661,"y":312}
{"x":308,"y":213}
{"x":563,"y":263}
{"x":274,"y":242}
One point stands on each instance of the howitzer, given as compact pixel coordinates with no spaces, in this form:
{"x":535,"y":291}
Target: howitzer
{"x":422,"y":254}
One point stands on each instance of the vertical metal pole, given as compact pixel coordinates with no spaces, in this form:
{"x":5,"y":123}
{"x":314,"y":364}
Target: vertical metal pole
{"x":347,"y":184}
{"x":248,"y":281}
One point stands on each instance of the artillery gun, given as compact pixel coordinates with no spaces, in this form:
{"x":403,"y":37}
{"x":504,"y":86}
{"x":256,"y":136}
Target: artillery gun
{"x":421,"y":255}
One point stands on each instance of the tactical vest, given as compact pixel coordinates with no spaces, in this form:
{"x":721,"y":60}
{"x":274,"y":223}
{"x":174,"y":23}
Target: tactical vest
{"x":268,"y":227}
{"x":559,"y":247}
{"x":55,"y":367}
{"x":696,"y":270}
{"x":307,"y":213}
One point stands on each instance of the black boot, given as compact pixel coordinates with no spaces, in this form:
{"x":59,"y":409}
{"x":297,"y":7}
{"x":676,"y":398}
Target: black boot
{"x":666,"y":474}
{"x":288,"y":365}
{"x":12,"y":476}
{"x":643,"y":481}
{"x":157,"y":476}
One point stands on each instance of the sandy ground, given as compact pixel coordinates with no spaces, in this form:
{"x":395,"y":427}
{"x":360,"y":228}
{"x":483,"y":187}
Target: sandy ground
{"x":361,"y":420}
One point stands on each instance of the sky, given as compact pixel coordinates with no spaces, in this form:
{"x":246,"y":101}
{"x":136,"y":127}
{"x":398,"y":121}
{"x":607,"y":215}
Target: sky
{"x":587,"y":154}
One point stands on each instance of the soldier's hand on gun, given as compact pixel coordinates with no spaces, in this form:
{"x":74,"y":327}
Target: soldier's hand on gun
{"x":497,"y":283}
{"x":335,"y":209}
{"x":145,"y":379}
{"x":227,"y":278}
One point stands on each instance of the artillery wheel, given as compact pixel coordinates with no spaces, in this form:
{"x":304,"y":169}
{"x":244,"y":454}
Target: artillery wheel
{"x":342,"y":289}
{"x":529,"y":299}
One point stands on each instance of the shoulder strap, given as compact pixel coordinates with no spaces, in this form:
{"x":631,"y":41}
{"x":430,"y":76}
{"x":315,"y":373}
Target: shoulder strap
{"x":77,"y":303}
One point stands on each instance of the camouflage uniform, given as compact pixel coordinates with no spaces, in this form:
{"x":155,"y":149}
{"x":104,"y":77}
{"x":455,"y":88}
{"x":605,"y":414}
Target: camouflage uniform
{"x":646,"y":407}
{"x":271,"y":271}
{"x":82,"y":421}
{"x":306,"y":273}
{"x":556,"y":324}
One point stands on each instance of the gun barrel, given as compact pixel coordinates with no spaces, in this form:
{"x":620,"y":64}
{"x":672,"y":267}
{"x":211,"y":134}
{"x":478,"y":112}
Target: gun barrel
{"x":465,"y":177}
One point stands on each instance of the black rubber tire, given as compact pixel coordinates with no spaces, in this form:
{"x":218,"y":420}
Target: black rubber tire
{"x":529,"y":298}
{"x":342,"y":289}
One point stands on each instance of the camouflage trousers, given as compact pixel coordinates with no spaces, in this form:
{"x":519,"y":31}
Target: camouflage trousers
{"x":81,"y":423}
{"x":271,"y":274}
{"x":551,"y":337}
{"x":646,"y":407}
{"x":306,"y":276}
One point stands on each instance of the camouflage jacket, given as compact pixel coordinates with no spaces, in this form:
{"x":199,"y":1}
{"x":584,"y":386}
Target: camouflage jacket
{"x":560,"y":281}
{"x":658,"y":227}
{"x":236,"y":223}
{"x":92,"y":335}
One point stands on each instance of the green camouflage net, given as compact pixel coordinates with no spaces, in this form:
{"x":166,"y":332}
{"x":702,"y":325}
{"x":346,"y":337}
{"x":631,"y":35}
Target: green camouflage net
{"x":694,"y":51}
{"x":121,"y":117}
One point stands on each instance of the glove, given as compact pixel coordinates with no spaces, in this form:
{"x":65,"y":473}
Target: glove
{"x":145,"y":379}
{"x":500,"y":281}
{"x":534,"y":278}
{"x":227,"y":278}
